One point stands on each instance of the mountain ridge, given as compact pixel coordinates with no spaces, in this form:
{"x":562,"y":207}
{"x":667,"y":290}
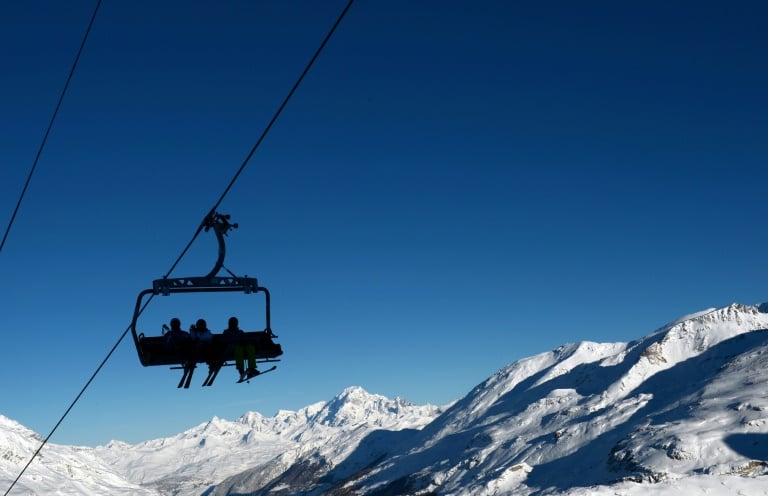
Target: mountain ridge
{"x":578,"y":409}
{"x":280,"y":439}
{"x":678,"y":411}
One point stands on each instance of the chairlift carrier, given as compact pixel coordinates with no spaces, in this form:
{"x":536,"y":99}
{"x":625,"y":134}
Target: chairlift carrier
{"x":153,"y":350}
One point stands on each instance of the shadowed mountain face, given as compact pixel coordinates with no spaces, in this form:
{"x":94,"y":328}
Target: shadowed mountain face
{"x":680,"y":411}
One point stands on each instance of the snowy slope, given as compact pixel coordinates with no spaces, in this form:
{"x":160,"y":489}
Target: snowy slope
{"x":682,"y":411}
{"x":209,"y":453}
{"x":683,"y":407}
{"x":58,"y":469}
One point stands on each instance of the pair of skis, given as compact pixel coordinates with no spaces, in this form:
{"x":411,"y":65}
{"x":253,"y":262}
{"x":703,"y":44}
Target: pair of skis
{"x":247,"y":378}
{"x":189,"y":369}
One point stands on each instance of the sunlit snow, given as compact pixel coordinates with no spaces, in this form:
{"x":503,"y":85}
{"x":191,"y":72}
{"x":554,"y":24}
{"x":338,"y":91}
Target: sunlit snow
{"x":682,"y":411}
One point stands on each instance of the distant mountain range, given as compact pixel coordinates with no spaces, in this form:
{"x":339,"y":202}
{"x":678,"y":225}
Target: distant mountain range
{"x":683,"y":411}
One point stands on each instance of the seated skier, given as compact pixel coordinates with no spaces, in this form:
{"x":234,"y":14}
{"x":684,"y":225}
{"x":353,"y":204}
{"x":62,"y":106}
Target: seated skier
{"x":233,"y":333}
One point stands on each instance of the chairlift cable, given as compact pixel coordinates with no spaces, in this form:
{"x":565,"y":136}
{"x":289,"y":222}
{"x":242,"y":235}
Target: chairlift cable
{"x":284,"y":104}
{"x":197,"y":233}
{"x":72,"y":405}
{"x":266,"y":130}
{"x":50,"y":125}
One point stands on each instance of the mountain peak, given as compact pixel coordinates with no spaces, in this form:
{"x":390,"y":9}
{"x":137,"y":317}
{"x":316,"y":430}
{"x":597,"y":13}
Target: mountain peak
{"x":355,"y":394}
{"x":354,"y":405}
{"x":681,"y":340}
{"x":693,"y":334}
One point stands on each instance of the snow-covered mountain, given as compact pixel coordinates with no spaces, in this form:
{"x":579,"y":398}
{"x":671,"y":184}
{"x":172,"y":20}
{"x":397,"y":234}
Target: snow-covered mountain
{"x":58,"y":469}
{"x":680,"y":411}
{"x":211,"y":452}
{"x":193,"y":461}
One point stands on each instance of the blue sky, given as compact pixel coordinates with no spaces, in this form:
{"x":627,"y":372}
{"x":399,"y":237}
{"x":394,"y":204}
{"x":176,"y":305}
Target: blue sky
{"x":455,"y":186}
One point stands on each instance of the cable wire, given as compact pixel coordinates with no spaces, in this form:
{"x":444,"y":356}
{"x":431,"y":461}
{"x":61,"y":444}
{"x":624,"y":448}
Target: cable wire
{"x":72,"y":405}
{"x":50,"y":125}
{"x":197,"y":233}
{"x":265,"y":132}
{"x":283,"y":105}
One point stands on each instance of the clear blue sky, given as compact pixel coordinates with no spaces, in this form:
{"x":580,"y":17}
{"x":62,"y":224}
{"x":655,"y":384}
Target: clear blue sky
{"x":455,"y":186}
